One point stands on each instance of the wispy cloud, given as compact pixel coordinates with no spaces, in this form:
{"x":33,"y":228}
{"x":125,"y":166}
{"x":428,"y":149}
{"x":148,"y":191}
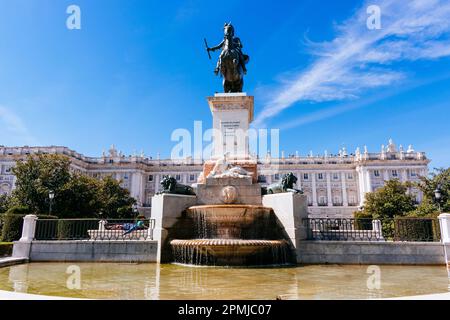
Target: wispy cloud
{"x":14,"y":130}
{"x":358,"y":59}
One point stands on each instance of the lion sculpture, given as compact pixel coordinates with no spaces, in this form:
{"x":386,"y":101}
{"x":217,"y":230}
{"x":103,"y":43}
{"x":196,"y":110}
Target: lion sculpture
{"x":170,"y":185}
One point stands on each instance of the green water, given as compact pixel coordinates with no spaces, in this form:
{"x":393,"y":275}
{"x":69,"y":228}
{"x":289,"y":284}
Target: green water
{"x":153,"y":281}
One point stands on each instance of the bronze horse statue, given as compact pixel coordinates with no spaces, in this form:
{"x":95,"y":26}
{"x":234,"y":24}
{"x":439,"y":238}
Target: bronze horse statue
{"x":286,"y":185}
{"x":232,"y":61}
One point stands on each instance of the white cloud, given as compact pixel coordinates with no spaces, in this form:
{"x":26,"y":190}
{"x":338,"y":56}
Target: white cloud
{"x":14,"y":131}
{"x":358,"y":59}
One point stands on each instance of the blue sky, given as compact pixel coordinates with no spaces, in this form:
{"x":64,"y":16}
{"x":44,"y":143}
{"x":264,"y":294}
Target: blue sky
{"x":137,"y":70}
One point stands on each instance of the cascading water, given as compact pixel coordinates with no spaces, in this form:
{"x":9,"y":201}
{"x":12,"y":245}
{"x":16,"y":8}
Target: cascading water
{"x":232,"y":235}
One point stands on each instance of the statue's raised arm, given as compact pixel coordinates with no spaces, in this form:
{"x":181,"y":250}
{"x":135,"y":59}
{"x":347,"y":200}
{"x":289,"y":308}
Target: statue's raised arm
{"x":231,"y":62}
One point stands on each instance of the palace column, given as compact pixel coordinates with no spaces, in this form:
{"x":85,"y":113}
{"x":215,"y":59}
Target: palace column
{"x":361,"y":184}
{"x":157,"y":180}
{"x":385,"y":175}
{"x":329,"y":198}
{"x":314,"y":191}
{"x":344,"y":190}
{"x":368,"y":181}
{"x":404,"y":175}
{"x":299,"y":181}
{"x":136,"y":186}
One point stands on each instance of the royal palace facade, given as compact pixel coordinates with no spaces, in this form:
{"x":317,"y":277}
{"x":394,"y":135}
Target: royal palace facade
{"x":334,"y":184}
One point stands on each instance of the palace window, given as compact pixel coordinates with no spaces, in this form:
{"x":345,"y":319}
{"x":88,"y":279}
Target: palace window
{"x":322,"y":200}
{"x":413,"y":173}
{"x":376,"y":173}
{"x":178,"y":177}
{"x":320,"y":176}
{"x":276,"y":177}
{"x":125,"y":176}
{"x":352,"y":200}
{"x":305,"y":176}
{"x":335,"y":176}
{"x":7,"y":169}
{"x":337,"y":200}
{"x":150,"y":178}
{"x":394,"y":173}
{"x":262,"y":179}
{"x":350,"y":176}
{"x":191,"y":177}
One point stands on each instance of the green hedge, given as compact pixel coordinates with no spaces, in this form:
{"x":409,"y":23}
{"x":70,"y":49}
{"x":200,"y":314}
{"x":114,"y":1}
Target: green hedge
{"x":6,"y":249}
{"x":12,"y":226}
{"x":363,"y":221}
{"x":75,"y":229}
{"x":416,"y":229}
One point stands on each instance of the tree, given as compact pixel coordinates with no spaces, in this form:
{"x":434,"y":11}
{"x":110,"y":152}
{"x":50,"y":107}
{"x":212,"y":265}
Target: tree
{"x":389,"y":201}
{"x":4,"y":203}
{"x":79,"y":197}
{"x":116,"y":201}
{"x":36,"y":177}
{"x":440,"y":177}
{"x":76,"y":195}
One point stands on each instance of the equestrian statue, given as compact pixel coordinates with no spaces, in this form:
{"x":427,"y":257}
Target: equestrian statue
{"x":231,"y":62}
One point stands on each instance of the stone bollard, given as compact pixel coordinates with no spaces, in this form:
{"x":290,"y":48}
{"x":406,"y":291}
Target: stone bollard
{"x":29,"y":228}
{"x":376,"y":227}
{"x":444,"y":223}
{"x":21,"y":248}
{"x":101,"y":225}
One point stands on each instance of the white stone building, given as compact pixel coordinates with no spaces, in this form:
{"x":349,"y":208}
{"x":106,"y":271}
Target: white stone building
{"x":334,"y":184}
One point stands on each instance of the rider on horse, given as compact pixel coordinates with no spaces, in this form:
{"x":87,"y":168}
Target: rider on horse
{"x":230,"y":43}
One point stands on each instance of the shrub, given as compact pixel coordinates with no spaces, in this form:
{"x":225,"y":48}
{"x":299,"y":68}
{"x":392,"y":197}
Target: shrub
{"x":23,"y":210}
{"x":416,"y":229}
{"x":6,"y":249}
{"x":363,"y":220}
{"x":75,"y":229}
{"x":12,"y":226}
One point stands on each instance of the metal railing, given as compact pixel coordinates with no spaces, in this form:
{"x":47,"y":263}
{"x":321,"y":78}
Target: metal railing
{"x":417,"y":229}
{"x":359,"y":229}
{"x":94,"y":229}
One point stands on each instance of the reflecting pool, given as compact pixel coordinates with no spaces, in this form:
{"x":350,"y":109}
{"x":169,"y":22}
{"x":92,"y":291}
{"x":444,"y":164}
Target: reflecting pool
{"x":169,"y":281}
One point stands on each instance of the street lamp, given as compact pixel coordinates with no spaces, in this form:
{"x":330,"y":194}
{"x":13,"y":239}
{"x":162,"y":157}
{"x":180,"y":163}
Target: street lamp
{"x":51,"y":196}
{"x":437,"y":196}
{"x":134,"y":207}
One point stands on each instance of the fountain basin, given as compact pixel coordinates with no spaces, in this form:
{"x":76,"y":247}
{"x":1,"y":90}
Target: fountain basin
{"x":233,"y":221}
{"x":230,"y":252}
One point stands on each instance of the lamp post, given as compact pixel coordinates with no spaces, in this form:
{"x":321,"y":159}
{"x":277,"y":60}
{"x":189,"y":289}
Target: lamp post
{"x":437,"y":196}
{"x":51,"y":196}
{"x":135,"y":210}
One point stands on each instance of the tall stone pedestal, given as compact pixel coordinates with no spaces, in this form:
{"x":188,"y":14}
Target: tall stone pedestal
{"x":232,"y":114}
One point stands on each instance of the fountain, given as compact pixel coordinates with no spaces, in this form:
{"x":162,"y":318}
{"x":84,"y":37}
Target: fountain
{"x":222,"y":221}
{"x":233,"y":232}
{"x":232,"y":235}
